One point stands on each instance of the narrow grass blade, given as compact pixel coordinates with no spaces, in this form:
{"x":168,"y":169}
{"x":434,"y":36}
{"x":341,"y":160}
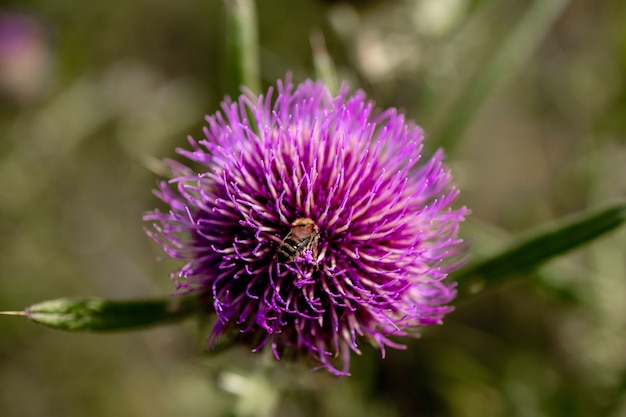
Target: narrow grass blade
{"x":324,"y":66}
{"x":511,"y":54}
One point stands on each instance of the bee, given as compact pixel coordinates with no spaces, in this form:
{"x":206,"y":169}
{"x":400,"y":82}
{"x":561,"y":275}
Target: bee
{"x":304,"y":235}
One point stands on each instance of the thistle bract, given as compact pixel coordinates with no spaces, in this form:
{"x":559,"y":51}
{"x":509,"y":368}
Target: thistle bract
{"x":387,"y":235}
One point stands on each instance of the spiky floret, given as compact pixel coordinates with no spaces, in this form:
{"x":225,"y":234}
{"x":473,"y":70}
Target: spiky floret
{"x":387,"y":234}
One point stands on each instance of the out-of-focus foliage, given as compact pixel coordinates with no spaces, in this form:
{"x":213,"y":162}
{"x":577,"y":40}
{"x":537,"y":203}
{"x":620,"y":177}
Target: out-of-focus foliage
{"x":115,"y":86}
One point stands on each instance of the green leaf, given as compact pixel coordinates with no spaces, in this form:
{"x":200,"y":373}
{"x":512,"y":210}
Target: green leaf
{"x":540,"y":247}
{"x":242,"y":47}
{"x":97,"y":315}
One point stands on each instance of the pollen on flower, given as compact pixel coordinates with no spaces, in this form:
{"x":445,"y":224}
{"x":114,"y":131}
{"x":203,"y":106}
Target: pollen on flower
{"x":370,"y":266}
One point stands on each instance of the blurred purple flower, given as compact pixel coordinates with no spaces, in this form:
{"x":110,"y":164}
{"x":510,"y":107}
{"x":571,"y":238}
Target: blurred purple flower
{"x":25,"y":57}
{"x":387,"y":235}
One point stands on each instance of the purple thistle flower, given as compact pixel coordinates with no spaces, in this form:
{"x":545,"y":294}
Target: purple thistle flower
{"x":382,"y":235}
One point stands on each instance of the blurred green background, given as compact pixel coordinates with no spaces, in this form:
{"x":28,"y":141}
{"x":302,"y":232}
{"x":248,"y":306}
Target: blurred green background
{"x":527,"y":97}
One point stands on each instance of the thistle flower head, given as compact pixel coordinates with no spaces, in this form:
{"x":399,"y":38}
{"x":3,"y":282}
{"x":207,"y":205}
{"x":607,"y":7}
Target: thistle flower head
{"x":310,"y":222}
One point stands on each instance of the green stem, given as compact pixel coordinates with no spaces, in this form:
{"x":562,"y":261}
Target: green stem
{"x":242,"y":47}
